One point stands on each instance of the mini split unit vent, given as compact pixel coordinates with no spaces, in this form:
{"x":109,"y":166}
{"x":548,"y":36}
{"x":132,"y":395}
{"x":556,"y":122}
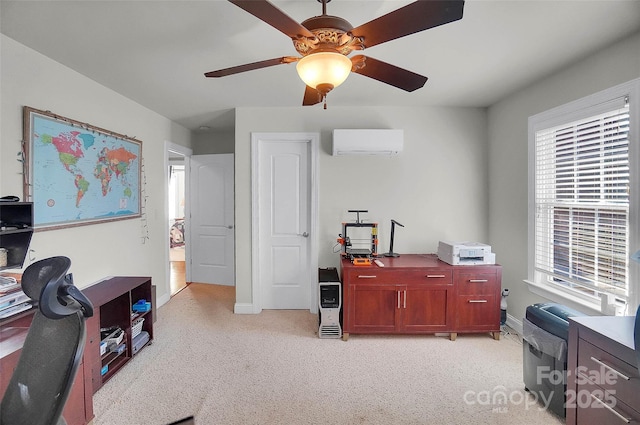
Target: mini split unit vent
{"x":367,"y":142}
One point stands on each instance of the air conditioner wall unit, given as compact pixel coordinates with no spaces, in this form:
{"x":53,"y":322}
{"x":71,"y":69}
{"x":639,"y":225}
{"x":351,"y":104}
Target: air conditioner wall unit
{"x":367,"y":141}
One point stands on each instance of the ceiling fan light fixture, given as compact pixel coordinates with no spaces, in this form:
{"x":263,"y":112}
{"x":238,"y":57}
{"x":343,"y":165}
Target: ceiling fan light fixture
{"x":324,"y":70}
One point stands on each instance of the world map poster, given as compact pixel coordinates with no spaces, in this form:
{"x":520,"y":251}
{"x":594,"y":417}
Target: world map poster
{"x":79,"y":174}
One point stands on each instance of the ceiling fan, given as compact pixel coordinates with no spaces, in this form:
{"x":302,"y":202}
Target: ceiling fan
{"x":325,"y":42}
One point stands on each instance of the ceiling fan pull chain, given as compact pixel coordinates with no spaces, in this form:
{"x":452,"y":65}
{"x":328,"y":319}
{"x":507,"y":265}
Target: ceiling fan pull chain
{"x":325,"y":101}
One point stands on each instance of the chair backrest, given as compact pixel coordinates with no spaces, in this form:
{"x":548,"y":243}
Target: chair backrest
{"x":52,"y":350}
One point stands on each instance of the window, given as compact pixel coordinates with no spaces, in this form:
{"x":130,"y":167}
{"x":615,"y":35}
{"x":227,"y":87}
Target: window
{"x":581,"y":195}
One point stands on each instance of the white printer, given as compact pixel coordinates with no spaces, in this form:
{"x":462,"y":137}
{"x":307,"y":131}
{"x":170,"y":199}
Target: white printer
{"x":465,"y":253}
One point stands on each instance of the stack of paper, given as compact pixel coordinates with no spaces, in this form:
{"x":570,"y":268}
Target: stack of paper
{"x":12,"y":299}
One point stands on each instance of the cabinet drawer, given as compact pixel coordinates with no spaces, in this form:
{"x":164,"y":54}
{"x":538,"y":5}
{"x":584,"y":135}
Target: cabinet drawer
{"x":369,"y":276}
{"x":596,"y":406}
{"x":395,"y":277}
{"x":608,"y":372}
{"x":477,"y":283}
{"x":477,"y":312}
{"x":428,"y":277}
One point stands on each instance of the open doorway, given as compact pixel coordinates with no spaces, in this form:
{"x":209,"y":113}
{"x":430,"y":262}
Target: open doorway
{"x":177,"y":159}
{"x":176,"y":213}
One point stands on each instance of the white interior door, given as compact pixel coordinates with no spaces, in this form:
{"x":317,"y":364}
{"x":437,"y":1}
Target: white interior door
{"x":212,"y":219}
{"x":284,"y":215}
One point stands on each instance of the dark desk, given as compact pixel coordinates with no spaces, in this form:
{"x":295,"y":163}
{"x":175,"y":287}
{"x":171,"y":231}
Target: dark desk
{"x":13,"y":331}
{"x":603,"y":384}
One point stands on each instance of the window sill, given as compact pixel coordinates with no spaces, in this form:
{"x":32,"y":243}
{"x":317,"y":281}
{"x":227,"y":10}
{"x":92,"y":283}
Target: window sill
{"x":571,"y":301}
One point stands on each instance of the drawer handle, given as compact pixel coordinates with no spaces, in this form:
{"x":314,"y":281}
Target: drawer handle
{"x":588,"y":378}
{"x":364,"y":276}
{"x":432,"y":276}
{"x":611,"y":409}
{"x":477,"y":301}
{"x":478,"y":280}
{"x":606,"y":366}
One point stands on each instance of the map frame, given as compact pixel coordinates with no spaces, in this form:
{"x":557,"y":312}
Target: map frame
{"x":32,"y":173}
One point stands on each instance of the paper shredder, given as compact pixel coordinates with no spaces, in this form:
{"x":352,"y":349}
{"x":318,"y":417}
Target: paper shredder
{"x":545,"y":332}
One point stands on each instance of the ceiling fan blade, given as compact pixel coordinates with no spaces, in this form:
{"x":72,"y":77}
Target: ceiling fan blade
{"x":311,"y":96}
{"x":273,"y":16}
{"x":414,"y":17}
{"x":250,"y":66}
{"x":387,"y":73}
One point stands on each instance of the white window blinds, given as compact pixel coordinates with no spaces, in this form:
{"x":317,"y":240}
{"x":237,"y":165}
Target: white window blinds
{"x":582,"y":200}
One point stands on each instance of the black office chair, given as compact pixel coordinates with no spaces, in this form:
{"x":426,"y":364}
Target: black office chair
{"x":52,"y":350}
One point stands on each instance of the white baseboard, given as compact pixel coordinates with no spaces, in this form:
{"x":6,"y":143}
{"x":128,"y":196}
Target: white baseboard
{"x":243,"y":308}
{"x":163,"y":300}
{"x":514,"y":323}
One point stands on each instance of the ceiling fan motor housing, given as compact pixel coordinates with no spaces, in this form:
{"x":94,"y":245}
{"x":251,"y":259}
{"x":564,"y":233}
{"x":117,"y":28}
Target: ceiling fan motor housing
{"x":332,"y":33}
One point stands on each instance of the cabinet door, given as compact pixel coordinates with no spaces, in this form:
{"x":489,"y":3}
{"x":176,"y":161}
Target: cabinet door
{"x":426,"y":309}
{"x":74,"y":409}
{"x":374,"y":308}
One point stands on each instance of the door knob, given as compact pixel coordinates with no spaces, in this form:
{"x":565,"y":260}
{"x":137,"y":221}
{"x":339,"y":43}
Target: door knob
{"x":305,"y":235}
{"x":229,"y":227}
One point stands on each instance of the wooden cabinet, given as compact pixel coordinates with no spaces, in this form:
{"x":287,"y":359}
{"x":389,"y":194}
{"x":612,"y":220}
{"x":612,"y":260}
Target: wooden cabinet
{"x":16,"y":229}
{"x":478,"y":299}
{"x":77,"y":410}
{"x":417,"y":293}
{"x":603,"y":380}
{"x":113,"y":300}
{"x":381,"y":300}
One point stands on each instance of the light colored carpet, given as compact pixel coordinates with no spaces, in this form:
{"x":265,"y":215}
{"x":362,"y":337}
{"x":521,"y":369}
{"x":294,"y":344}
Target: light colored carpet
{"x":272,"y":368}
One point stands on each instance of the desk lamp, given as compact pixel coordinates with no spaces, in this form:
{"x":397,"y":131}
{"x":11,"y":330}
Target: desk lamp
{"x":393,"y":230}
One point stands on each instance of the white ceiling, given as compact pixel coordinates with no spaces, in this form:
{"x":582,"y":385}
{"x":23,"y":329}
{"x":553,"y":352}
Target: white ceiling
{"x":156,"y":52}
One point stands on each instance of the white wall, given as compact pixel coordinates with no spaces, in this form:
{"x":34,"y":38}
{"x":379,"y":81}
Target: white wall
{"x":213,"y":141}
{"x":507,"y":124}
{"x":437,"y":187}
{"x":99,"y":250}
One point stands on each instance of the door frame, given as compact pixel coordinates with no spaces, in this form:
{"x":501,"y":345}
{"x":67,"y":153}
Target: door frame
{"x":170,"y":147}
{"x":256,"y":283}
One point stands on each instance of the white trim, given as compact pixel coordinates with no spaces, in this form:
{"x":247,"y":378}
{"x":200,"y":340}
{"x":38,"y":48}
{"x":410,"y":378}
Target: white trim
{"x":186,"y":153}
{"x":243,"y":308}
{"x":256,"y":138}
{"x":514,"y":324}
{"x":256,"y":306}
{"x":568,"y":112}
{"x":162,"y":300}
{"x":562,"y":297}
